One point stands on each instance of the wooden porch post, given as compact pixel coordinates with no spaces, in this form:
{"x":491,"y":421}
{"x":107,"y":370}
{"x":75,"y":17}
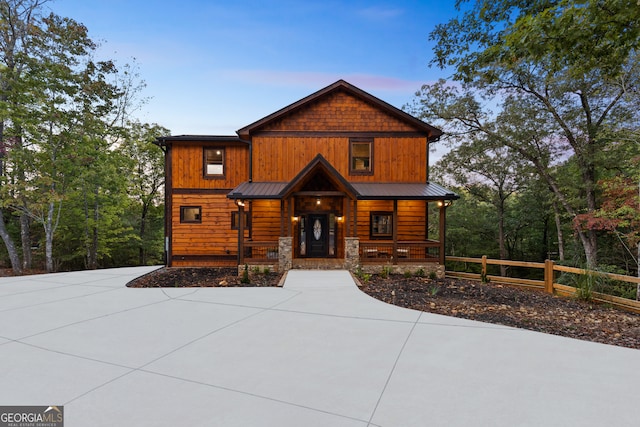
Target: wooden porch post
{"x":443,"y":221}
{"x":355,"y":218}
{"x":240,"y":233}
{"x":347,"y":217}
{"x":289,"y":216}
{"x":281,"y":217}
{"x":395,"y":231}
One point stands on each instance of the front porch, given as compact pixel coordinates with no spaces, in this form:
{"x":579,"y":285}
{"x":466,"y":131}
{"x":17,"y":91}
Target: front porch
{"x":320,"y":220}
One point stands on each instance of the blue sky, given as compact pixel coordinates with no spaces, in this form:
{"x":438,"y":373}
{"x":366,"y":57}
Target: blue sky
{"x":213,"y":67}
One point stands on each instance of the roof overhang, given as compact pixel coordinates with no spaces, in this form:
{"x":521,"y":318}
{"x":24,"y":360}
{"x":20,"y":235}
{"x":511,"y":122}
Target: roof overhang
{"x":163,"y":141}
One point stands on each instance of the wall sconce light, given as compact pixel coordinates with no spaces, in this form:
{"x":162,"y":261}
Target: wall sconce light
{"x":318,"y":201}
{"x":444,"y":203}
{"x":339,"y":218}
{"x":239,"y":202}
{"x":296,"y":218}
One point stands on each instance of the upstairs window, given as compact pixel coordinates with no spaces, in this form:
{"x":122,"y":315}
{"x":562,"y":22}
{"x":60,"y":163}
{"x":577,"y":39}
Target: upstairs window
{"x":214,"y":162}
{"x":191,"y":214}
{"x":381,"y":225}
{"x":361,"y":156}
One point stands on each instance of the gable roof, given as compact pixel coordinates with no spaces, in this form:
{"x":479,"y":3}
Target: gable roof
{"x":319,"y":163}
{"x":431,"y":132}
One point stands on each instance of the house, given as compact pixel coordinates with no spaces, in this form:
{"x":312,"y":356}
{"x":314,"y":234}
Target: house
{"x":339,"y":179}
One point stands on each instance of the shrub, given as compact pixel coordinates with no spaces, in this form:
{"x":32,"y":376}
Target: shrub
{"x":245,"y":275}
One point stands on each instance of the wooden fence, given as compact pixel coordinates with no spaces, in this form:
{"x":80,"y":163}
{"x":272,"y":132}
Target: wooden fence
{"x":548,"y":284}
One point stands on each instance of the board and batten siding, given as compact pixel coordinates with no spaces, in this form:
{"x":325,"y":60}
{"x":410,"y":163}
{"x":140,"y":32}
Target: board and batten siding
{"x":188,"y":162}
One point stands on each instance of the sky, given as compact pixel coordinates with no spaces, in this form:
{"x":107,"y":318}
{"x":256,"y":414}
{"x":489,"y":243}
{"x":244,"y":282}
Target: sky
{"x":213,"y":67}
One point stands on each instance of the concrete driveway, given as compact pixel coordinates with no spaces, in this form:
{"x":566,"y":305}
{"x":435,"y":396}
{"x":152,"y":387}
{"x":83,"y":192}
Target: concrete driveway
{"x":317,"y":352}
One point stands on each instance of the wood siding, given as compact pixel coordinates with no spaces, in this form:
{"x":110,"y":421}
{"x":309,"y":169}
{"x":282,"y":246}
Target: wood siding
{"x":395,"y":159}
{"x":265,"y":220}
{"x":411,"y":218}
{"x":213,"y":236}
{"x":187,"y":167}
{"x":341,"y":112}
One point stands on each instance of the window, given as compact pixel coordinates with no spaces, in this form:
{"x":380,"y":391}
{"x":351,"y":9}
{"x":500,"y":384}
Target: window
{"x":381,"y":225}
{"x":191,"y":214}
{"x":214,"y":162}
{"x":234,"y":220}
{"x":361,"y":156}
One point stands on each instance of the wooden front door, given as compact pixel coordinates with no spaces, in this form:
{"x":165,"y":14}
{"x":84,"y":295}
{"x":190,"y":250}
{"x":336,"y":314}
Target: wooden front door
{"x":317,"y":236}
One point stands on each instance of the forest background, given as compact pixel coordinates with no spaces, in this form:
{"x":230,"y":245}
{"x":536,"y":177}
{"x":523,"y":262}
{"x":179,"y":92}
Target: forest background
{"x":541,"y":118}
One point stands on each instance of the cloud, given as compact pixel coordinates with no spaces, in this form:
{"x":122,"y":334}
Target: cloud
{"x":379,"y":13}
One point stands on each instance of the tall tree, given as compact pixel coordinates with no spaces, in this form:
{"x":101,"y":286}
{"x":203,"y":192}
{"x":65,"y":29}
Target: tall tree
{"x":568,"y":64}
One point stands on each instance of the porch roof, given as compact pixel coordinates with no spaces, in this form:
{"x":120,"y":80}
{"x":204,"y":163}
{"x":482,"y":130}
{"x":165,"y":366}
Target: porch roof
{"x":402,"y":191}
{"x":364,"y":191}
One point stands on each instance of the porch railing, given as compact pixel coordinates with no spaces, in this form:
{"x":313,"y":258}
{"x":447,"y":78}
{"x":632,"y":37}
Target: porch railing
{"x":375,"y":252}
{"x":260,"y":252}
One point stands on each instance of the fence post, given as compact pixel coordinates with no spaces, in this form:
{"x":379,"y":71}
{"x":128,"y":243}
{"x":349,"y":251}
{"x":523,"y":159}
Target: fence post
{"x":483,"y":272}
{"x":548,"y":276}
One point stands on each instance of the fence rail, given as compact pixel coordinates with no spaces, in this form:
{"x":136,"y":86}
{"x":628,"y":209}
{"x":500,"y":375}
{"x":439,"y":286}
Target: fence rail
{"x":260,"y":252}
{"x":548,"y":284}
{"x":404,"y":251}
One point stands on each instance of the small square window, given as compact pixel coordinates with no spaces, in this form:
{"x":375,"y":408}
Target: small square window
{"x":191,"y":214}
{"x":214,"y":162}
{"x":381,"y":225}
{"x":361,"y":156}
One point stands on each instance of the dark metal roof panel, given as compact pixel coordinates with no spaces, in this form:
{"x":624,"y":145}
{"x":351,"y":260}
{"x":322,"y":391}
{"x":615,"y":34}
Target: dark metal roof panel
{"x":416,"y":191}
{"x":257,"y":190}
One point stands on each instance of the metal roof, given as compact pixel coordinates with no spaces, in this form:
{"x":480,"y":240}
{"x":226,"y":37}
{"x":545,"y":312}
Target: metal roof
{"x":402,"y":191}
{"x":257,"y":190}
{"x":364,"y":191}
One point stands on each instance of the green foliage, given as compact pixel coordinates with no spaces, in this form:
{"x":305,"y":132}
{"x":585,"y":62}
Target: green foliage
{"x":266,"y":271}
{"x":245,"y":275}
{"x":420,"y":272}
{"x":407,"y":274}
{"x":386,"y":271}
{"x":433,"y":275}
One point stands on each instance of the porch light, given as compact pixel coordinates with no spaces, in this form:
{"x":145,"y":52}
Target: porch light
{"x":339,"y":218}
{"x":295,"y":218}
{"x":445,"y":203}
{"x":239,"y":202}
{"x":318,"y":201}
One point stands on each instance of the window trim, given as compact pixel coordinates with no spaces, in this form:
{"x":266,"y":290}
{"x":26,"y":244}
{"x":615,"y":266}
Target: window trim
{"x":198,"y":219}
{"x":353,"y":141}
{"x":204,"y":162}
{"x":234,"y":220}
{"x":380,"y":236}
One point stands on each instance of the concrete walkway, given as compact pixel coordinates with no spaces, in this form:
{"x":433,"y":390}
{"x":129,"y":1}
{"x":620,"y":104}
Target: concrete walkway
{"x":317,"y":352}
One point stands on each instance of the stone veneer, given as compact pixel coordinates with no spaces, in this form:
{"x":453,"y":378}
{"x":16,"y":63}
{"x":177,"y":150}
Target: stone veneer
{"x":285,"y":253}
{"x":351,"y":253}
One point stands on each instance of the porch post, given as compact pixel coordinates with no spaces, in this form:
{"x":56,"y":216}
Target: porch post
{"x":240,"y":233}
{"x":289,"y":216}
{"x":395,"y":231}
{"x":443,"y":220}
{"x":355,"y":217}
{"x":281,"y":217}
{"x":347,"y":217}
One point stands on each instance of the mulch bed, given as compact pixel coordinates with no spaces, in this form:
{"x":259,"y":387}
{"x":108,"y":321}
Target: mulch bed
{"x":492,"y":303}
{"x":202,"y":277}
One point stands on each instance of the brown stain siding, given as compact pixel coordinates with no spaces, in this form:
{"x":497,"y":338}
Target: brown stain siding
{"x":213,"y":236}
{"x":187,"y":170}
{"x":265,"y":220}
{"x":411,"y":218}
{"x":395,"y":159}
{"x":340,"y":111}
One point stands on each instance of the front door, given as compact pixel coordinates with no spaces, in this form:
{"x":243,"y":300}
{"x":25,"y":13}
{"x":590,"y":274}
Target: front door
{"x":317,"y":236}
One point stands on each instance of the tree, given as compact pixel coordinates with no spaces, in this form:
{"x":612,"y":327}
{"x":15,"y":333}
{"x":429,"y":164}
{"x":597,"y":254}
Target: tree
{"x":489,"y":172}
{"x":146,"y":178}
{"x":561,"y":67}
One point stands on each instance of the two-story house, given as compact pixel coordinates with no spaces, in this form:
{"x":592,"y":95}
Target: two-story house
{"x":339,"y":179}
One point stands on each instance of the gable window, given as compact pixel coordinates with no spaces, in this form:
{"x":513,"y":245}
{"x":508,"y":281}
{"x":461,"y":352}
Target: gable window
{"x":381,"y":225}
{"x":214,"y":162}
{"x":191,"y":214}
{"x":234,"y":221}
{"x":361,"y":156}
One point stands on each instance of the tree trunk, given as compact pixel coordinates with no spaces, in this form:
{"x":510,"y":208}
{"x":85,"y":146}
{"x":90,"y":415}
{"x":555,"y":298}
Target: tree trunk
{"x":501,"y":239}
{"x":48,"y":235}
{"x":556,"y":214}
{"x":11,"y":248}
{"x":25,"y":236}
